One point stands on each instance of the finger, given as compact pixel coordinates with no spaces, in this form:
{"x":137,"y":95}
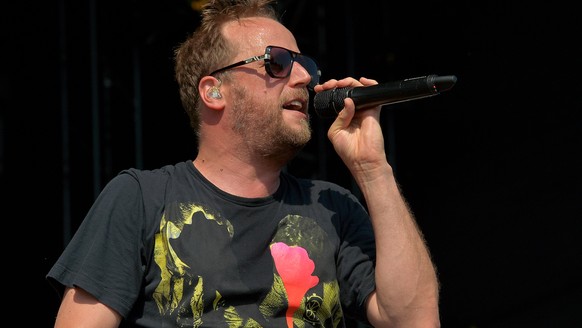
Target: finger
{"x":330,"y":84}
{"x":366,"y":81}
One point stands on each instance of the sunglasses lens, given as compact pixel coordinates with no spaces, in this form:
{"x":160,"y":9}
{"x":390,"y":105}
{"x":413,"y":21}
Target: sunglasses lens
{"x":281,"y":62}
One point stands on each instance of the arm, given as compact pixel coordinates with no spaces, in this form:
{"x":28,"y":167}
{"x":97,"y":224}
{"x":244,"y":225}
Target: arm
{"x":406,"y":292}
{"x":80,"y":309}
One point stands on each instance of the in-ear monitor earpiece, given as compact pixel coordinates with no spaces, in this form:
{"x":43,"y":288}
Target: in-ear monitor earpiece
{"x":214,"y":92}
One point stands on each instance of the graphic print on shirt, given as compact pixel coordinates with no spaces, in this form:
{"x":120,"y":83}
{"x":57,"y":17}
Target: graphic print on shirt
{"x":193,"y":294}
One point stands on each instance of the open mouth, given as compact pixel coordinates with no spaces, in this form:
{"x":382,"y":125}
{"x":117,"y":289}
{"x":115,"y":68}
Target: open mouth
{"x":297,"y":105}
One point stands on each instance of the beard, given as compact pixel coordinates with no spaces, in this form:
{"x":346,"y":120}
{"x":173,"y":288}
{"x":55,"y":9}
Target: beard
{"x":263,"y":129}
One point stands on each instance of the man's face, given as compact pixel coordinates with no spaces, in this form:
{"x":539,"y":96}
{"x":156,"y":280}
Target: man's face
{"x":270,"y":114}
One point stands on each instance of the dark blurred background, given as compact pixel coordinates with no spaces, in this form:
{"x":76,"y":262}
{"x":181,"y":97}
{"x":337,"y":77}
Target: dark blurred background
{"x":491,"y":168}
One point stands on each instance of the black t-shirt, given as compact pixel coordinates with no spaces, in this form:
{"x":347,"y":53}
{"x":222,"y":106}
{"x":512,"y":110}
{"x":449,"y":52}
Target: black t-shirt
{"x":166,"y":248}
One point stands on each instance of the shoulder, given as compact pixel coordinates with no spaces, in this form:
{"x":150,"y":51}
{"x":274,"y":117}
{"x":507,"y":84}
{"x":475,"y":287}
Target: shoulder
{"x":162,"y":172}
{"x":311,"y":183}
{"x":319,"y":189}
{"x":148,"y":185}
{"x":155,"y":176}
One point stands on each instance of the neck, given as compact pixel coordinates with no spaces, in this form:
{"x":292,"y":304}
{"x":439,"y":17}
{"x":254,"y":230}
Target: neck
{"x":243,"y":178}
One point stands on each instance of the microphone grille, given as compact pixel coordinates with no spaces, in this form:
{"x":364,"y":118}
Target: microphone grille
{"x":330,"y":102}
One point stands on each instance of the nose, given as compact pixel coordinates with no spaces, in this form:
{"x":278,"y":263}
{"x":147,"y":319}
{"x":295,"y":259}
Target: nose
{"x":299,"y":75}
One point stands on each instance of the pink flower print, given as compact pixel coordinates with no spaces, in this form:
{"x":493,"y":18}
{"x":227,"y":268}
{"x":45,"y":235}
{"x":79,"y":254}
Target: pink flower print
{"x":295,"y":268}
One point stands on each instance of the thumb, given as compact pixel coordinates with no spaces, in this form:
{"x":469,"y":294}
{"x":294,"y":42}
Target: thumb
{"x":343,"y":119}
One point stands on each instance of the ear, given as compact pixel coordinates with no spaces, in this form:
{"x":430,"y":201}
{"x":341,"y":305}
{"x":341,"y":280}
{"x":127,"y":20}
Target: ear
{"x":210,"y":93}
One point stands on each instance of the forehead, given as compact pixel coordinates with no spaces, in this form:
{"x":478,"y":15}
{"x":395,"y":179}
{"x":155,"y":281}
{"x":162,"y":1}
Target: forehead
{"x":250,"y":36}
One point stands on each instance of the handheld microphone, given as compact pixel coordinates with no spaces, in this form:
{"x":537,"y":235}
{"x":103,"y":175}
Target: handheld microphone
{"x":329,"y":103}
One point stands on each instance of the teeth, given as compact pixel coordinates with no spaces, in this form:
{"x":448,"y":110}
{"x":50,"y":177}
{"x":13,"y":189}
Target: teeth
{"x":294,"y":105}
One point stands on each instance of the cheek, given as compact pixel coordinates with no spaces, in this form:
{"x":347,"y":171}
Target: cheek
{"x":258,"y":107}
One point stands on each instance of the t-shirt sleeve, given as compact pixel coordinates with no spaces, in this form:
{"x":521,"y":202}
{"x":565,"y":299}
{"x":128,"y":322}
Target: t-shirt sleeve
{"x":356,"y":258}
{"x":104,"y":257}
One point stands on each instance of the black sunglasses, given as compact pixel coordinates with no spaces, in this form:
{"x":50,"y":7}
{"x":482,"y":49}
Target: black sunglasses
{"x":279,"y":62}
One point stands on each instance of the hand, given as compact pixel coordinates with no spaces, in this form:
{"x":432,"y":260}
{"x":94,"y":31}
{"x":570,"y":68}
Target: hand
{"x":357,"y":136}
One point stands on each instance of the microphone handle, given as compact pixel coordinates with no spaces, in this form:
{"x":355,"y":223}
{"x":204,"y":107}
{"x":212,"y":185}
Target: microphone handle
{"x":400,"y":91}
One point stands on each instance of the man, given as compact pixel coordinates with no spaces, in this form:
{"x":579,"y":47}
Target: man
{"x":229,"y":239}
